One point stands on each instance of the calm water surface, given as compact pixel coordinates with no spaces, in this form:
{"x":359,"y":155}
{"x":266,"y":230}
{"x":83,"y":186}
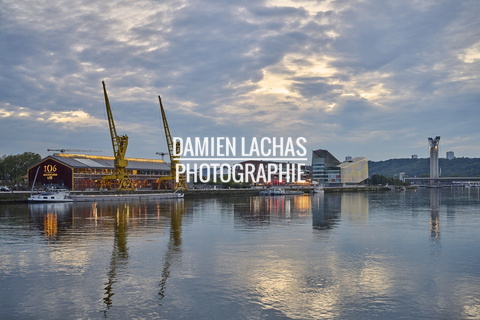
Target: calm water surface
{"x":391,"y":255}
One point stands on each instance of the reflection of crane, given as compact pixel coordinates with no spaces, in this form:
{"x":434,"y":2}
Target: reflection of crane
{"x":73,"y":150}
{"x":174,"y":244}
{"x":120,"y":256}
{"x":174,"y":160}
{"x":119,"y":144}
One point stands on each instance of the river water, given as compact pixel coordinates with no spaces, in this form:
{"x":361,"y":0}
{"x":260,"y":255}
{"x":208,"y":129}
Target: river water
{"x":388,"y":255}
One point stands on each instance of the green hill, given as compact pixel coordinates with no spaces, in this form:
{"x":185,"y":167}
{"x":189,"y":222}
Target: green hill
{"x":458,"y":167}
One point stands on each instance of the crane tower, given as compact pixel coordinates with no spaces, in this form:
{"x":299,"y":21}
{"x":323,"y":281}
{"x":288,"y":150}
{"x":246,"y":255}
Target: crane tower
{"x":119,"y":144}
{"x":174,"y":160}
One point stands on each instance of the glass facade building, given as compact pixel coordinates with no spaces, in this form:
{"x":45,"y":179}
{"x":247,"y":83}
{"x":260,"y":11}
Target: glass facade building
{"x":328,"y":170}
{"x":324,"y":167}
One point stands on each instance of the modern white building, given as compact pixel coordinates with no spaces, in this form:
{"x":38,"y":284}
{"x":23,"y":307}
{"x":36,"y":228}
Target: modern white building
{"x":354,"y":171}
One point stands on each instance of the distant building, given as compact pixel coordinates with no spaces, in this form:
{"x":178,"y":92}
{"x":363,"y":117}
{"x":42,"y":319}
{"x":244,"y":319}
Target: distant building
{"x":307,"y":172}
{"x":85,"y":172}
{"x":450,"y":155}
{"x":414,"y":156}
{"x":324,"y":167}
{"x":327,"y":170}
{"x":354,"y":171}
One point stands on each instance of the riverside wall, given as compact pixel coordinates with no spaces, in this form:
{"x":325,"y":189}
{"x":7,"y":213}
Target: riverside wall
{"x":22,"y":196}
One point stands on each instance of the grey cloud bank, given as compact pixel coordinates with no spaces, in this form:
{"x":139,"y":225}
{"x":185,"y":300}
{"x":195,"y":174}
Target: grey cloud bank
{"x":362,"y":78}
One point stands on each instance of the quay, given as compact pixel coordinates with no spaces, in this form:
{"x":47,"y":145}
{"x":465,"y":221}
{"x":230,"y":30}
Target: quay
{"x":82,"y":196}
{"x":355,"y":189}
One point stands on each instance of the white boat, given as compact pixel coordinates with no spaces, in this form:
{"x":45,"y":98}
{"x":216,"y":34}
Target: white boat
{"x":51,"y":195}
{"x":272,"y":192}
{"x":318,"y":189}
{"x":279,"y":192}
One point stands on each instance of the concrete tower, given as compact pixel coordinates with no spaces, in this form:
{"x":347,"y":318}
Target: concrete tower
{"x":434,"y":160}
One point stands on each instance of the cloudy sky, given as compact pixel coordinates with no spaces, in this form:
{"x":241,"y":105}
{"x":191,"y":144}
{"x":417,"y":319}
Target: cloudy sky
{"x":371,"y":78}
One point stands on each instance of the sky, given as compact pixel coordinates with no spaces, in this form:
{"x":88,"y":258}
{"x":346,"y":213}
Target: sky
{"x":371,"y":78}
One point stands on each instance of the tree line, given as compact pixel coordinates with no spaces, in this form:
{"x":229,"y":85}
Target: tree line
{"x":13,"y":168}
{"x":458,"y":167}
{"x":378,"y":179}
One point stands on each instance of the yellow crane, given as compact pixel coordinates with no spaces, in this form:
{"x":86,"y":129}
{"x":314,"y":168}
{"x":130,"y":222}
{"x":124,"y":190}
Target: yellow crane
{"x":119,"y":144}
{"x":174,"y":159}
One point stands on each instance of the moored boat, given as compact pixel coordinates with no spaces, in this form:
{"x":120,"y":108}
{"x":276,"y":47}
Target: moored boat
{"x":279,"y":192}
{"x":51,"y":195}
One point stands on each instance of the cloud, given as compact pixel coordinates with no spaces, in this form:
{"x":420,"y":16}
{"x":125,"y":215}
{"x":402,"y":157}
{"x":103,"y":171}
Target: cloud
{"x":68,"y":120}
{"x":324,"y":70}
{"x":471,"y":54}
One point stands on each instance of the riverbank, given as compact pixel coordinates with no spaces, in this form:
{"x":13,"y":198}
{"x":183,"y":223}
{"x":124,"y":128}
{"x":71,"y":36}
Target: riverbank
{"x":355,"y":189}
{"x":22,"y":196}
{"x":14,"y":196}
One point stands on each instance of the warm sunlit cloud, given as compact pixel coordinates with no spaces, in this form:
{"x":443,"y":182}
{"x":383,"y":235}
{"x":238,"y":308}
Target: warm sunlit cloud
{"x":76,"y":118}
{"x":5,"y":114}
{"x":373,"y":93}
{"x":310,"y":65}
{"x":313,"y":7}
{"x":9,"y":111}
{"x":275,"y":83}
{"x":471,"y":55}
{"x":68,"y":119}
{"x":282,"y":77}
{"x":371,"y":86}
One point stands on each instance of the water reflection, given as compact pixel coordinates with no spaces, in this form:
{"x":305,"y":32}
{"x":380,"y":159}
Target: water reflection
{"x":260,"y":211}
{"x":79,"y":222}
{"x":355,"y":207}
{"x":50,"y":224}
{"x":45,"y":216}
{"x":174,"y":209}
{"x":244,"y":258}
{"x":326,"y":210}
{"x":119,"y":257}
{"x":174,"y":245}
{"x":434,"y":214}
